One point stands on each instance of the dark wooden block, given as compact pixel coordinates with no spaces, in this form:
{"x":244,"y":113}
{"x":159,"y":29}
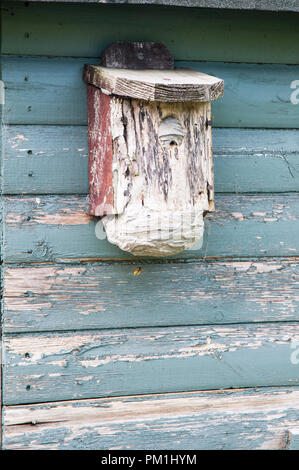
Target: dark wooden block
{"x":137,"y":55}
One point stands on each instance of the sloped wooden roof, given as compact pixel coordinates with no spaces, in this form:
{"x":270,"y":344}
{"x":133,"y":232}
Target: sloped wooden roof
{"x":156,"y":85}
{"x":269,"y":5}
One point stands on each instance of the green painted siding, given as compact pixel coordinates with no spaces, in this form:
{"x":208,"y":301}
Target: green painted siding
{"x":64,"y":366}
{"x":92,"y":295}
{"x":191,"y":34}
{"x":51,"y":228}
{"x":78,"y":324}
{"x":234,"y":419}
{"x":37,"y":159}
{"x":51,"y":91}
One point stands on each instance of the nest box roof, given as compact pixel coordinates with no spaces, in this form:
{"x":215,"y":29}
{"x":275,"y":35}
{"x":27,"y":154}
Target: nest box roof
{"x":155,"y":85}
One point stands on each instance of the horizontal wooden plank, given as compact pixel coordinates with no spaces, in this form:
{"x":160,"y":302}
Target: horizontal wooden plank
{"x":53,"y":160}
{"x":240,"y":419}
{"x":256,"y":160}
{"x":85,"y":30}
{"x":81,"y":297}
{"x":41,"y":90}
{"x":45,"y":160}
{"x":54,"y":228}
{"x":44,"y":367}
{"x":254,"y":95}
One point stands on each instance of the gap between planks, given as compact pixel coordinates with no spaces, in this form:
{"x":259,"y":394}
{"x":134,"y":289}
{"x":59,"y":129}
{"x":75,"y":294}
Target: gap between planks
{"x":137,"y":261}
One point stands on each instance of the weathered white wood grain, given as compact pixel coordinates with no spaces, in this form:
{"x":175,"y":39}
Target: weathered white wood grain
{"x":93,"y":296}
{"x":240,"y":419}
{"x":156,"y":85}
{"x":163,"y":183}
{"x":62,"y":366}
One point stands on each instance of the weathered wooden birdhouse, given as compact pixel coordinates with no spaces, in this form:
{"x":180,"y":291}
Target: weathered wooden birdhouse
{"x":150,"y":148}
{"x":113,"y":353}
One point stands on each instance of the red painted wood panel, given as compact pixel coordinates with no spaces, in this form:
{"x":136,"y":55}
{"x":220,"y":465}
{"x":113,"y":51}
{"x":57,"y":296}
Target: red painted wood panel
{"x":101,"y":192}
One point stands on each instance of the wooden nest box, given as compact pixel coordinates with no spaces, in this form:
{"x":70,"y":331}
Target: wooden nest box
{"x":150,"y":148}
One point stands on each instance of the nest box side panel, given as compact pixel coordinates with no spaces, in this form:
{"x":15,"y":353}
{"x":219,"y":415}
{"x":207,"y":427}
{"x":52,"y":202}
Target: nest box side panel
{"x":100,"y":153}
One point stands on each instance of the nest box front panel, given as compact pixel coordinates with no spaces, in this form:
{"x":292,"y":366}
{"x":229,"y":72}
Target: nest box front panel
{"x":150,"y":155}
{"x":150,"y":163}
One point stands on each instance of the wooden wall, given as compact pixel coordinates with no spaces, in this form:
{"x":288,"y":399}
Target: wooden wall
{"x":197,"y":351}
